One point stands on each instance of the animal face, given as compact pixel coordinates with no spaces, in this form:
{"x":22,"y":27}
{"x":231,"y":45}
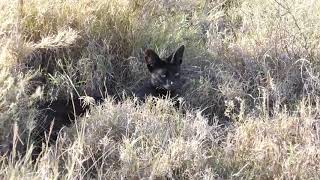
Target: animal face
{"x":165,"y":73}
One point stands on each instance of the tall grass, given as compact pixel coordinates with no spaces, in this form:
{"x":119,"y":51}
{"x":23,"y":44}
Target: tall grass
{"x":255,"y":62}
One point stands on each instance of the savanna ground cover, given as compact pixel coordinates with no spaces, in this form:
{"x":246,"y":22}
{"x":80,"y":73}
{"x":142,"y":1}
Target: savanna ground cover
{"x":254,"y":61}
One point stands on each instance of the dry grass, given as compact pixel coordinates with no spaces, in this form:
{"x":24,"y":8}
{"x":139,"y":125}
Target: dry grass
{"x":255,"y":61}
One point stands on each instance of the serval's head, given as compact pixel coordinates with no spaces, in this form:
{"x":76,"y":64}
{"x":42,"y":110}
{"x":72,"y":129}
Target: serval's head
{"x":165,"y":73}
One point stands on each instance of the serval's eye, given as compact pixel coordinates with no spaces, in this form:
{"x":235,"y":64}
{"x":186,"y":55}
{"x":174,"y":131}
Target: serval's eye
{"x":163,"y":76}
{"x":176,"y":74}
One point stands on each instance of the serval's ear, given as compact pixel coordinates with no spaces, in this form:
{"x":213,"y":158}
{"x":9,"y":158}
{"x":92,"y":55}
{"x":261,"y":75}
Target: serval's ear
{"x":152,"y":59}
{"x":176,"y":57}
